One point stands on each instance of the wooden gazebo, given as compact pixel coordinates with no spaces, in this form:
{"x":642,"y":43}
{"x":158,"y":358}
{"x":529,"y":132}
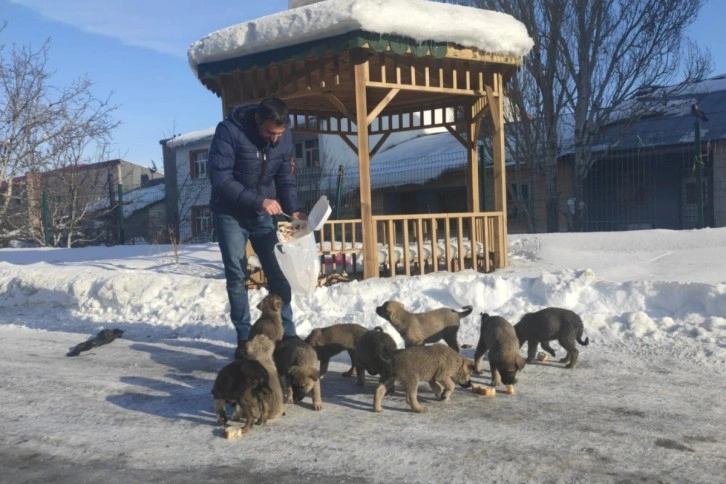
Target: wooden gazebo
{"x":362,"y":83}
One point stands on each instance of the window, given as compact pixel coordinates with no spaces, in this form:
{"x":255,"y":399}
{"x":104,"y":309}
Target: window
{"x":312,"y":154}
{"x":307,"y":154}
{"x":144,"y":179}
{"x":201,"y":221}
{"x":514,"y":204}
{"x":198,"y":163}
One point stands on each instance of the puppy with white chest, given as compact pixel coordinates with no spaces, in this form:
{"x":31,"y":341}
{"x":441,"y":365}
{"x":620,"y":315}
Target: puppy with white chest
{"x":334,"y":339}
{"x":270,"y":321}
{"x":549,"y":324}
{"x":436,"y":364}
{"x":497,"y":336}
{"x":421,"y":328}
{"x":297,"y":362}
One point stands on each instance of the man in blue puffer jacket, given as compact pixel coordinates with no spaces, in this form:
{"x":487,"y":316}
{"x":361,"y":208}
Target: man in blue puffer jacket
{"x":251,"y":165}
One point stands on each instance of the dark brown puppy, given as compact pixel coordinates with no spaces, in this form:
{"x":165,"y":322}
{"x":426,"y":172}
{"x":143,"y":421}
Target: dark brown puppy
{"x":298,"y":363}
{"x":421,"y":328}
{"x":373,"y":354}
{"x":270,"y":321}
{"x":331,"y":340}
{"x":497,"y":336}
{"x":549,"y":324}
{"x":246,"y":384}
{"x":436,"y":364}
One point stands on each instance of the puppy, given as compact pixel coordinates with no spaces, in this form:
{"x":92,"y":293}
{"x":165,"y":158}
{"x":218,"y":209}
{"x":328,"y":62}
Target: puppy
{"x":270,"y":321}
{"x":246,"y":384}
{"x":498,"y":337}
{"x":260,"y":348}
{"x":373,"y":354}
{"x":331,"y":340}
{"x":421,"y":328}
{"x":298,"y":362}
{"x":437,"y":364}
{"x":549,"y":324}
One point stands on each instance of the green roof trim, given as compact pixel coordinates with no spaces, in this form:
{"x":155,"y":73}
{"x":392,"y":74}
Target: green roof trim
{"x":316,"y":48}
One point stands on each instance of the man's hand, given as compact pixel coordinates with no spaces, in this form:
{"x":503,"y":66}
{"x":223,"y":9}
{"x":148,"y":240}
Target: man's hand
{"x":271,"y":207}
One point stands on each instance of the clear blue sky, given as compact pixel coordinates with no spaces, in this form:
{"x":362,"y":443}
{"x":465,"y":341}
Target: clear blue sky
{"x":135,"y":51}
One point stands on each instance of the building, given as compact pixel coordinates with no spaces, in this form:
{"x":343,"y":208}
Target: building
{"x":73,"y":205}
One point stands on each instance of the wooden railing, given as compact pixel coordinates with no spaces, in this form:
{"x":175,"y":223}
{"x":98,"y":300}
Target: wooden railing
{"x":411,"y":244}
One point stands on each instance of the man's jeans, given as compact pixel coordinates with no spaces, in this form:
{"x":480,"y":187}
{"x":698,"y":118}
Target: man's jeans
{"x":232,"y":234}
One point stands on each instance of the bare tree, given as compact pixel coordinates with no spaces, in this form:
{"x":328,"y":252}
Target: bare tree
{"x":611,"y":50}
{"x":44,"y":128}
{"x":589,"y":60}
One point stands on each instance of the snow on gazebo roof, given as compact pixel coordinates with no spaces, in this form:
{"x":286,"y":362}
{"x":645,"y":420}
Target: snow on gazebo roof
{"x":420,"y":20}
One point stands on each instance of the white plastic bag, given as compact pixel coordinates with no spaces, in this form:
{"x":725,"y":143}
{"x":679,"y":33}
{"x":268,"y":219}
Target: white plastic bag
{"x":300,"y":263}
{"x":298,"y":258}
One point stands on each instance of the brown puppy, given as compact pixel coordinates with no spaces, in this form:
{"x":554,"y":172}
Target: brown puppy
{"x":549,"y":324}
{"x":421,"y":328}
{"x":270,"y":321}
{"x":244,"y":383}
{"x":373,"y":354}
{"x":437,"y":364}
{"x":260,"y":348}
{"x":498,"y":337}
{"x":298,"y":363}
{"x":333,"y":339}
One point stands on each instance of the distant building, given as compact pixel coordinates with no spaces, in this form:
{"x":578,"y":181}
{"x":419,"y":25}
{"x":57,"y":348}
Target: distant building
{"x":78,"y":200}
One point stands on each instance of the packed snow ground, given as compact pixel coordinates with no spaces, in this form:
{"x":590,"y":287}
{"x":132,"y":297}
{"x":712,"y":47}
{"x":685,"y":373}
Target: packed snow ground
{"x":644,"y":404}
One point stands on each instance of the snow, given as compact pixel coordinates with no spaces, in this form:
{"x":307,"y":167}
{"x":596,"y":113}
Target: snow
{"x":644,"y":404}
{"x":135,"y":199}
{"x":191,"y":137}
{"x":422,"y":20}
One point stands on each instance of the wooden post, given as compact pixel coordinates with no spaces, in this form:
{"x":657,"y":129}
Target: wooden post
{"x":370,"y":262}
{"x":496,"y":110}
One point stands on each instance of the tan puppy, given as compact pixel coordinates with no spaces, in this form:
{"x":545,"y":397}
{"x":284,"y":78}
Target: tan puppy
{"x":549,"y":324}
{"x":437,"y":364}
{"x":421,"y":328}
{"x":298,"y":363}
{"x":260,"y":348}
{"x":333,"y":339}
{"x":373,"y":354}
{"x":498,"y":337}
{"x":270,"y":321}
{"x":246,"y":384}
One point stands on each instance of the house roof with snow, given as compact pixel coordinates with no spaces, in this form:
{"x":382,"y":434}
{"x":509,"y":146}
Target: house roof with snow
{"x":664,"y":117}
{"x":135,"y":200}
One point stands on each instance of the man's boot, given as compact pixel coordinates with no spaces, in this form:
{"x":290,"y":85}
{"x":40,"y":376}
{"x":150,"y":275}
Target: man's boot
{"x":241,"y":350}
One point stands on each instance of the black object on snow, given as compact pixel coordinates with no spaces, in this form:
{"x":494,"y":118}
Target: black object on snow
{"x":104,"y":337}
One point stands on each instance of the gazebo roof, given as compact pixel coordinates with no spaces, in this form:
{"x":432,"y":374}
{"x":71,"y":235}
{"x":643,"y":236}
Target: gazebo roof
{"x":416,"y":21}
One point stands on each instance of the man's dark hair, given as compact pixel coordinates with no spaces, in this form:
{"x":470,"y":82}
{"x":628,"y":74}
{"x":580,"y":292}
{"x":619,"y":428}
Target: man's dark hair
{"x":275,"y":110}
